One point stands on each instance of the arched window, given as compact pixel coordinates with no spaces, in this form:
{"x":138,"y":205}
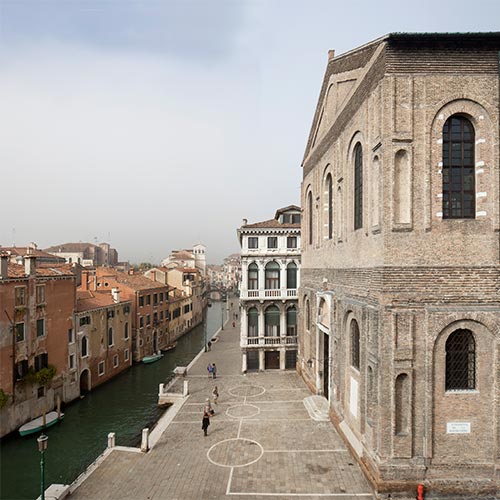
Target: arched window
{"x":460,"y":361}
{"x":310,"y":216}
{"x":358,"y":186}
{"x":272,"y":275}
{"x":85,"y":347}
{"x":329,"y":189}
{"x":253,"y":277}
{"x":110,"y":337}
{"x":272,"y":321}
{"x":308,"y":315}
{"x":459,"y":190}
{"x":355,"y":344}
{"x":291,"y":275}
{"x":291,"y":321}
{"x":253,"y":322}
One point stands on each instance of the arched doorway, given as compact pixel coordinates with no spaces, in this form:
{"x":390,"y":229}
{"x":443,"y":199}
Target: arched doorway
{"x":85,"y":381}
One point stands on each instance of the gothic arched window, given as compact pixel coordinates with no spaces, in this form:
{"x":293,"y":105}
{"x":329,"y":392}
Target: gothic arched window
{"x":329,"y":190}
{"x":253,"y":277}
{"x":272,"y":276}
{"x":459,"y":190}
{"x":355,"y":348}
{"x":272,"y":321}
{"x":310,"y":216}
{"x":291,"y":275}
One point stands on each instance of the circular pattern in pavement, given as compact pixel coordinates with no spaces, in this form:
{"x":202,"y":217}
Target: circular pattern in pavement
{"x":242,"y":411}
{"x":247,"y":390}
{"x":235,"y":452}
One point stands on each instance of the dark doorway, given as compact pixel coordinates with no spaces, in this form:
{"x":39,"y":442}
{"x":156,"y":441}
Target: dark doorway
{"x":272,"y":360}
{"x":252,"y":360}
{"x":291,"y":360}
{"x":84,"y":382}
{"x":326,"y":364}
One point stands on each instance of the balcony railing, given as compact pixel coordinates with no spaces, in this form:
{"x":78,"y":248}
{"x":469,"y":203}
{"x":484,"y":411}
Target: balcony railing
{"x":268,"y":341}
{"x":280,"y":293}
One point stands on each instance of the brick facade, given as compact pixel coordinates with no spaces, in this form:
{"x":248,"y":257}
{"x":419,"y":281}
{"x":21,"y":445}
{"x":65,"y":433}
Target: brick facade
{"x":409,"y":278}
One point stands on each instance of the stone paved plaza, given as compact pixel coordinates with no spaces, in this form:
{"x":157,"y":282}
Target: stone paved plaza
{"x":261,"y":444}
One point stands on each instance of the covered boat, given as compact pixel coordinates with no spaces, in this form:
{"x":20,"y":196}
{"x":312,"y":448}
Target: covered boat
{"x":37,"y":424}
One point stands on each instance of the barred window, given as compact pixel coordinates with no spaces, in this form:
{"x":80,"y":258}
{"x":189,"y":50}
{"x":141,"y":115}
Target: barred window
{"x":358,"y":186}
{"x":460,"y":361}
{"x":459,"y":194}
{"x":355,"y":344}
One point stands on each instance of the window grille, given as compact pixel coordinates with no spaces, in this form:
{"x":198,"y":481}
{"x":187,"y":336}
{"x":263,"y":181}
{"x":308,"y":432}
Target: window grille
{"x":458,"y":169}
{"x":355,"y":344}
{"x":460,"y":361}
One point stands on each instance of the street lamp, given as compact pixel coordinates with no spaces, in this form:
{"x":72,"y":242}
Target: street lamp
{"x":42,"y":447}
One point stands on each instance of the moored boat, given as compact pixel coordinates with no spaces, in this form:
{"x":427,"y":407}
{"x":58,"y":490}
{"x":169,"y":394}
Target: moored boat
{"x":152,"y":358}
{"x":37,"y":424}
{"x":169,"y":347}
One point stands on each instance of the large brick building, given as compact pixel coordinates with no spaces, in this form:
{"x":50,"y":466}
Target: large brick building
{"x":399,"y":298}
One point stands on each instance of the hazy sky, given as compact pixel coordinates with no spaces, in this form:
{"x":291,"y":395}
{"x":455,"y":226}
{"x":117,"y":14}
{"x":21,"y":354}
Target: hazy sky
{"x":155,"y":125}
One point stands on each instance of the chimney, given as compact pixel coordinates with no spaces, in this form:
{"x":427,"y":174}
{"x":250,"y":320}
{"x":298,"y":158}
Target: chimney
{"x":245,"y":222}
{"x":115,"y":292}
{"x":30,"y":264}
{"x":85,"y":281}
{"x":331,"y":54}
{"x":4,"y":269}
{"x":153,"y":275}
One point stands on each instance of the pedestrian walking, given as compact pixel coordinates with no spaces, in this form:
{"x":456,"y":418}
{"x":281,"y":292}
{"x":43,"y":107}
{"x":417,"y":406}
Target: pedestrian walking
{"x":234,"y":324}
{"x":205,"y":423}
{"x":214,"y":371}
{"x":209,"y":345}
{"x":215,"y":394}
{"x":209,"y":370}
{"x":208,"y":408}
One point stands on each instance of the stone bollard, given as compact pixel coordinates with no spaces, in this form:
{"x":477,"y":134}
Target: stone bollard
{"x":111,"y":440}
{"x":185,"y":390}
{"x":145,"y":440}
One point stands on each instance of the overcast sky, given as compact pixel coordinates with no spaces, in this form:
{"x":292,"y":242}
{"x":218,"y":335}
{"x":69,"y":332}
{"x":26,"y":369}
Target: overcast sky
{"x":155,"y":125}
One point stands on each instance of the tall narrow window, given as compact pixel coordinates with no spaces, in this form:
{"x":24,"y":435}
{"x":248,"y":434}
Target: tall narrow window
{"x":291,"y":322}
{"x":272,"y":275}
{"x":110,"y":337}
{"x":253,"y":277}
{"x":458,"y":169}
{"x":402,"y":404}
{"x":272,"y":321}
{"x":308,"y":315}
{"x":291,"y":276}
{"x":329,"y":189}
{"x":253,"y":322}
{"x":402,"y":188}
{"x":355,"y":348}
{"x":85,"y":347}
{"x":460,"y":361}
{"x":358,"y":186}
{"x":310,"y":216}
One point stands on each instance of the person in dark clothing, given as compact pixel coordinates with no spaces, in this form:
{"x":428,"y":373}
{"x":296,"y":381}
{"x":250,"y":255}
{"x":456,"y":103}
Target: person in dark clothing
{"x":214,"y":371}
{"x":205,"y":422}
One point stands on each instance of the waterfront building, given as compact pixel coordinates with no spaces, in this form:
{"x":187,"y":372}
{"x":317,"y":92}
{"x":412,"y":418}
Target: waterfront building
{"x":149,"y":300}
{"x":36,"y":319}
{"x":400,"y":259}
{"x":270,"y":277}
{"x":102,"y":346}
{"x":86,"y":254}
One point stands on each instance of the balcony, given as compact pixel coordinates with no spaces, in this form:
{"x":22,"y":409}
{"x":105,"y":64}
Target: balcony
{"x":279,"y":293}
{"x":269,"y":341}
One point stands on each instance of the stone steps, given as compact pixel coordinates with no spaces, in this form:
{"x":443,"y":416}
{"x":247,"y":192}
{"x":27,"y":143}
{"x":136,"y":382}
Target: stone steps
{"x":317,"y":407}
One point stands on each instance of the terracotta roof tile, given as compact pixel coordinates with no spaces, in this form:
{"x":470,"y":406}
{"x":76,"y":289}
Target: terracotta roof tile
{"x":17,"y":271}
{"x":272,"y":223}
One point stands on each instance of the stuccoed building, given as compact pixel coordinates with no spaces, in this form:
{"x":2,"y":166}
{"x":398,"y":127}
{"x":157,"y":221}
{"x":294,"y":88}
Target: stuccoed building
{"x":400,"y":259}
{"x":270,"y":265}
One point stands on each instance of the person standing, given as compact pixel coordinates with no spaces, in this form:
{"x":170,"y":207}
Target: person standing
{"x":214,"y":371}
{"x":205,"y":422}
{"x":209,"y":370}
{"x":215,"y":394}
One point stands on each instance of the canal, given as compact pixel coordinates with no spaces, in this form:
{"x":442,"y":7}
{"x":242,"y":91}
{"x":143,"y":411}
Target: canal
{"x":124,"y":405}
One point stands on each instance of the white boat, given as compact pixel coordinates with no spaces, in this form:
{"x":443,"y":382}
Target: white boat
{"x":37,"y":425}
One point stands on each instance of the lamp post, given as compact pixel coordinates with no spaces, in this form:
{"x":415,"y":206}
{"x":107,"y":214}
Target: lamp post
{"x":42,"y":447}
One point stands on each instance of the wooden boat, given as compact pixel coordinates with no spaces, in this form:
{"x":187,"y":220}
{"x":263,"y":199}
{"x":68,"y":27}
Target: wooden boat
{"x":169,"y":347}
{"x":152,"y":358}
{"x":37,"y":425}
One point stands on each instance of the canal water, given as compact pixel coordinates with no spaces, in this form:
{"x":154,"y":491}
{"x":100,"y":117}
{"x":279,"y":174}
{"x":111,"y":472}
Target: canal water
{"x":124,"y":405}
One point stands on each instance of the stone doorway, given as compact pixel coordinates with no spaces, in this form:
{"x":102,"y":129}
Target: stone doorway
{"x":272,"y":359}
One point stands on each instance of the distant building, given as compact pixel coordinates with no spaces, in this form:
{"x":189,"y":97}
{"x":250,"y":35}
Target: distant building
{"x":17,"y":255}
{"x":36,"y":320}
{"x":270,"y":277}
{"x":86,"y":254}
{"x":195,"y":257}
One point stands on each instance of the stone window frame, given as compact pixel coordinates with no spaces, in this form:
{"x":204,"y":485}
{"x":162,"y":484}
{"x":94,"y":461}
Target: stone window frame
{"x":484,"y":157}
{"x":100,"y":369}
{"x":349,"y":158}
